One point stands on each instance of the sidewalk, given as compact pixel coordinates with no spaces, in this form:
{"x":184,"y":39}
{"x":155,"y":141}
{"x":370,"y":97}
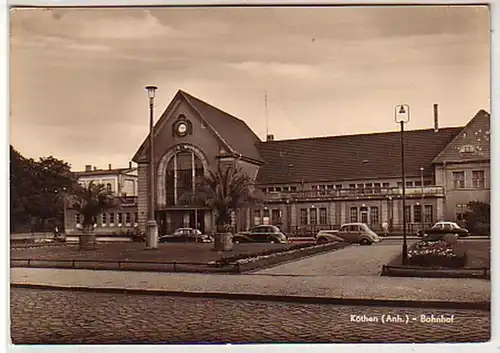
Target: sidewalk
{"x":352,"y":290}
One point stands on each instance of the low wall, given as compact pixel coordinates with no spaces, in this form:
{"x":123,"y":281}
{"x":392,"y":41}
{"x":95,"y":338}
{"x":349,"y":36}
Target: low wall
{"x":33,"y":237}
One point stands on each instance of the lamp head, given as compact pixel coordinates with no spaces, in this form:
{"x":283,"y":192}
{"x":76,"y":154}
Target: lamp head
{"x":151,"y":91}
{"x":402,"y":113}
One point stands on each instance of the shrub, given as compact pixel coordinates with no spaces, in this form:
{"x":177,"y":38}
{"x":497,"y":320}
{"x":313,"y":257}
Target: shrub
{"x":438,"y":253}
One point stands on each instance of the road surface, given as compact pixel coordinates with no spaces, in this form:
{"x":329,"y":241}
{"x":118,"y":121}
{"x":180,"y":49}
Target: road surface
{"x":66,"y":317}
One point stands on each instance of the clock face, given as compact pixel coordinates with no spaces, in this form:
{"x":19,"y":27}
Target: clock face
{"x":182,"y":128}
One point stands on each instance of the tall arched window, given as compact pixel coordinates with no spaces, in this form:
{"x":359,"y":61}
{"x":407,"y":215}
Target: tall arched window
{"x":183,"y":176}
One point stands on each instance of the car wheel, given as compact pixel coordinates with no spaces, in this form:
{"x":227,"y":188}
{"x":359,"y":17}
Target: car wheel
{"x":365,"y":242}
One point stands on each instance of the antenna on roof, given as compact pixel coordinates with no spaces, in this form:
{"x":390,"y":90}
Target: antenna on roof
{"x":267,"y":119}
{"x":268,"y":136}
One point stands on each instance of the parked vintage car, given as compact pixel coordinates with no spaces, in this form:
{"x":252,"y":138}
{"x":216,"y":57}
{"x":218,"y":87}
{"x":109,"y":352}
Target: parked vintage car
{"x":261,"y":234}
{"x":185,"y":235}
{"x":444,"y":227}
{"x":358,"y":233}
{"x":328,"y":236}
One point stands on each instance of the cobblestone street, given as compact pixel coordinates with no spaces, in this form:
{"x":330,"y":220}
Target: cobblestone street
{"x":66,"y":317}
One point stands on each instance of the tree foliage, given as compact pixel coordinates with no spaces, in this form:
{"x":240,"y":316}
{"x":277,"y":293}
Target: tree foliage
{"x":224,"y":191}
{"x":478,"y":217}
{"x":91,"y":201}
{"x":37,"y":188}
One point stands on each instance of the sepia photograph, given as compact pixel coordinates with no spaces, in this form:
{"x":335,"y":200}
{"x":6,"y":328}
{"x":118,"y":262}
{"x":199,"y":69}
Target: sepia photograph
{"x":249,"y":175}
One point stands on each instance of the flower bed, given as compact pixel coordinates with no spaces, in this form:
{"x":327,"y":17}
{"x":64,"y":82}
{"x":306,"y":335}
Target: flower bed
{"x":437,"y":253}
{"x":224,"y":261}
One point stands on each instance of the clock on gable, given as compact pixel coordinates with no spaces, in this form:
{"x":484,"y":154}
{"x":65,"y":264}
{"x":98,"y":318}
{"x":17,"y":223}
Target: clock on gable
{"x":182,"y":127}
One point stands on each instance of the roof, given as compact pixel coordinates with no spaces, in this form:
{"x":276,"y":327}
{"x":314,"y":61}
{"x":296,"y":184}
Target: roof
{"x":234,"y":133}
{"x":351,"y":157}
{"x":104,"y":172}
{"x":475,"y":134}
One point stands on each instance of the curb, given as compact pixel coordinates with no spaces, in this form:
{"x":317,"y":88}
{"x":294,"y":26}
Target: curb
{"x":481,"y":305}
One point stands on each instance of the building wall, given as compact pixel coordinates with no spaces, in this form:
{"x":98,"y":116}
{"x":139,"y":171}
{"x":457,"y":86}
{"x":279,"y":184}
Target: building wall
{"x":107,"y":227}
{"x":461,"y":196}
{"x":143,"y":195}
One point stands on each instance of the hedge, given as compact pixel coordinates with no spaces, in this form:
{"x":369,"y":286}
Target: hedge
{"x":437,"y":254}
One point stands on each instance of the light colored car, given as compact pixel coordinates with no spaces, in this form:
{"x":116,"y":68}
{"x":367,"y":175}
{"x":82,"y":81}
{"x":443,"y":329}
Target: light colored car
{"x":355,"y":233}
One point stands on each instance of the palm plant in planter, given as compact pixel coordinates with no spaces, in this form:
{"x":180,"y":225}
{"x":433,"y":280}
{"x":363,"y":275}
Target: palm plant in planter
{"x":224,"y":191}
{"x":90,"y":202}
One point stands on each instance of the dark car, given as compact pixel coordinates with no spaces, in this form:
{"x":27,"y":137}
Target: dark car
{"x":444,"y":228}
{"x":261,"y":234}
{"x":185,"y":235}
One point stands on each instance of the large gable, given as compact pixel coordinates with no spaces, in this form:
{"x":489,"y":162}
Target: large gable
{"x":232,"y":132}
{"x":471,"y":144}
{"x":350,"y":157}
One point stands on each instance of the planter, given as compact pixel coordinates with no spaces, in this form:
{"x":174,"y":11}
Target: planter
{"x":223,"y":242}
{"x":87,"y":240}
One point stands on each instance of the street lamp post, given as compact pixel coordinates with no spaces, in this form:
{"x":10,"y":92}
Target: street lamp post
{"x":151,"y":226}
{"x":402,"y":116}
{"x":422,"y":196}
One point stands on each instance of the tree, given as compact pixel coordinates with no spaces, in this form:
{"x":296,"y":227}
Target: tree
{"x":91,"y":202}
{"x":224,"y":191}
{"x":37,"y":188}
{"x":478,"y":216}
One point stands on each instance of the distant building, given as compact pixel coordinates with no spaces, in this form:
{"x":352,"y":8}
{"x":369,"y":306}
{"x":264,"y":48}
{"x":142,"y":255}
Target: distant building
{"x":314,"y":183}
{"x":122,"y":183}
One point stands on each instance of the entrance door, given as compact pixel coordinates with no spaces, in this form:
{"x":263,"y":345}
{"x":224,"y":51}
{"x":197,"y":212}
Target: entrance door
{"x":197,"y":220}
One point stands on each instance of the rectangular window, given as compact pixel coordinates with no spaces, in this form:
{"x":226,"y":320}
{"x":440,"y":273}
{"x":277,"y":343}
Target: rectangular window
{"x":128,"y":218}
{"x":275,"y":217}
{"x":329,"y":187}
{"x":408,"y":214}
{"x":360,"y":188}
{"x":427,"y":182}
{"x":264,"y":190}
{"x":111,"y":218}
{"x":266,"y":212}
{"x":104,"y":219}
{"x":256,"y":217}
{"x":428,"y":216}
{"x":386,"y":185}
{"x":314,"y":187}
{"x":417,"y":213}
{"x":278,"y":189}
{"x":120,"y":218}
{"x":78,"y":218}
{"x":352,"y":186}
{"x":418,"y":183}
{"x":322,"y":216}
{"x":136,"y":218}
{"x":313,"y":216}
{"x":409,"y":184}
{"x":374,"y":217}
{"x":478,"y":179}
{"x":293,"y":188}
{"x":109,"y":187}
{"x":368,"y":188}
{"x":354,"y":214}
{"x":303,"y":216}
{"x":458,"y":180}
{"x":338,"y":186}
{"x":377,"y":188}
{"x":461,"y":213}
{"x":286,"y":188}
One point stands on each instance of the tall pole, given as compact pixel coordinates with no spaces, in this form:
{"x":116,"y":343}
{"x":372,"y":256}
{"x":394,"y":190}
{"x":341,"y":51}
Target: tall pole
{"x":422,"y":192}
{"x":152,"y":227}
{"x":402,"y":116}
{"x":405,"y":245}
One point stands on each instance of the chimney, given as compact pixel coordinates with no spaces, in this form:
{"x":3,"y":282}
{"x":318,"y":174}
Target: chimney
{"x":129,"y":165}
{"x":88,"y":168}
{"x":95,"y":168}
{"x":109,"y":166}
{"x":436,"y":124}
{"x":270,"y":137}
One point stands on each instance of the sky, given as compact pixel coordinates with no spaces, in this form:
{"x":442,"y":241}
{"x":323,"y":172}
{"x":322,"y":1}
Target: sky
{"x":77,"y":76}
